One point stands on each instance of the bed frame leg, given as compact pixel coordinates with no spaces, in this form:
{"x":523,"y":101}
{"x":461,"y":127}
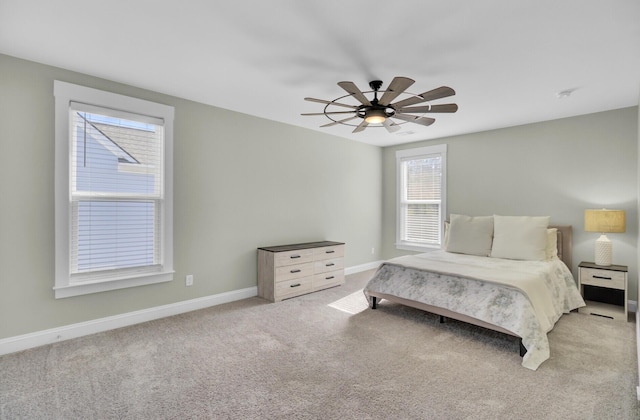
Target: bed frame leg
{"x":442,"y":319}
{"x":523,"y":349}
{"x":374,"y":302}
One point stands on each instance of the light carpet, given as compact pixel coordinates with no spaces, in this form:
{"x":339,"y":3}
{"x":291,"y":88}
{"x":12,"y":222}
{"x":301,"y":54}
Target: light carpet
{"x":323,"y":356}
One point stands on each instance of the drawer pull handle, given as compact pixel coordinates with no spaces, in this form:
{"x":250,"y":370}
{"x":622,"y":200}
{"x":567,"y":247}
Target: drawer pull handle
{"x":294,"y":256}
{"x":330,"y":264}
{"x":329,"y":278}
{"x":602,"y":277}
{"x":295,"y":285}
{"x":295,"y":271}
{"x":331,"y":251}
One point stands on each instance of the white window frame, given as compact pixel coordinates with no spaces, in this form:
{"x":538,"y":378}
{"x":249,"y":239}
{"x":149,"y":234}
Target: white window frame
{"x":410,"y":154}
{"x":65,"y":93}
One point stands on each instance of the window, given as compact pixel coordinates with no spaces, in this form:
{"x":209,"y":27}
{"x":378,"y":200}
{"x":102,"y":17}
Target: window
{"x":113,"y":191}
{"x":421,"y":205}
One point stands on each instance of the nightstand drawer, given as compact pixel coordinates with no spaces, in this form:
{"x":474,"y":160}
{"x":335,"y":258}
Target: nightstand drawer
{"x":602,"y":278}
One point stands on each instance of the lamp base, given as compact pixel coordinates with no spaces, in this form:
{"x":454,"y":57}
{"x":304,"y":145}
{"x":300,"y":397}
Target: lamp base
{"x":604,"y":251}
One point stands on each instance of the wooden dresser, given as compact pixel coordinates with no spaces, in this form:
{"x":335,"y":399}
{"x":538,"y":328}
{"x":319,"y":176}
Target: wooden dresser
{"x":286,"y":271}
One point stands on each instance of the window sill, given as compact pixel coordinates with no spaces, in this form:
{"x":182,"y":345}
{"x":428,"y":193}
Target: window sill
{"x":78,"y":289}
{"x":417,"y":248}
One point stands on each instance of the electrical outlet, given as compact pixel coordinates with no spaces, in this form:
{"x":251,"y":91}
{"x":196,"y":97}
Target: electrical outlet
{"x":189,"y":281}
{"x":373,"y":251}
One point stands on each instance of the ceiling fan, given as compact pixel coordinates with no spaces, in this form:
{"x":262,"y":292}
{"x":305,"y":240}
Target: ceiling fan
{"x":382,"y":111}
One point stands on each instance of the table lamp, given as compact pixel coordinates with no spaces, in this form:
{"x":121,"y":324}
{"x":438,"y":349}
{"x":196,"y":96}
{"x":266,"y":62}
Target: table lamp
{"x":604,"y":221}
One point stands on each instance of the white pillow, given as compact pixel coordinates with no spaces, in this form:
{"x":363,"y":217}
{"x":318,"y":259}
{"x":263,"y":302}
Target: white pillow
{"x":552,"y":243}
{"x":520,"y":237}
{"x":470,"y":235}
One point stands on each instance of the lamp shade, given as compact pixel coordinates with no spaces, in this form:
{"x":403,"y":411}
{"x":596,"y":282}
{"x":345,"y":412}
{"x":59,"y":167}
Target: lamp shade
{"x":604,"y":221}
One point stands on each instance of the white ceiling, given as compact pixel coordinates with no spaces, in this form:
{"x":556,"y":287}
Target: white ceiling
{"x":506,"y":59}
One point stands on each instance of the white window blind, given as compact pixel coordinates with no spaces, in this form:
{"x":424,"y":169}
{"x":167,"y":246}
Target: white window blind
{"x":421,"y":191}
{"x":116,"y":192}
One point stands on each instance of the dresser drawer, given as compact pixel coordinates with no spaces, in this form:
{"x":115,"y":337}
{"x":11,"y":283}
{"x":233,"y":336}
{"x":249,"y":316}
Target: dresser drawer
{"x":298,"y":256}
{"x":328,"y":265}
{"x":291,"y":288}
{"x":328,"y":252}
{"x":602,"y":278}
{"x":324,"y":280}
{"x":294,"y":271}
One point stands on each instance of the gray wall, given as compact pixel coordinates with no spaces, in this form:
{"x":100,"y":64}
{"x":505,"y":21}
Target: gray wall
{"x":240,"y":182}
{"x":557,"y":168}
{"x":637,"y":317}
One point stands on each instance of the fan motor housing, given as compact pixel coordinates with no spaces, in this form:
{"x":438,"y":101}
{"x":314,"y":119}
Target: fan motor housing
{"x":364,"y":110}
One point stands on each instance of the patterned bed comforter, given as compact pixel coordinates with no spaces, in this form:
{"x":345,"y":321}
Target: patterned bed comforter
{"x":525,"y":297}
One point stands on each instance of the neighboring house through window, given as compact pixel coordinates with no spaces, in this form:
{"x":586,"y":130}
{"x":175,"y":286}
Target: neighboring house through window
{"x":421,"y":201}
{"x":113,"y":191}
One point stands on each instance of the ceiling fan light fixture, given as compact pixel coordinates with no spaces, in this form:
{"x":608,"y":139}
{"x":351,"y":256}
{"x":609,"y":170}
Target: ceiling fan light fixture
{"x":382,"y":112}
{"x":375,"y":116}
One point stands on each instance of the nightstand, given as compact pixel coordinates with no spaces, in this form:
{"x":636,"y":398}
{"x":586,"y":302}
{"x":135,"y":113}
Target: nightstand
{"x":604,"y":289}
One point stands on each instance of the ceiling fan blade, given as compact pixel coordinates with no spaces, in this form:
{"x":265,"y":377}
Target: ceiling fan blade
{"x":353,"y":90}
{"x":414,"y":119}
{"x":328,"y":113}
{"x":361,"y":127}
{"x":339,"y":122}
{"x":432,"y":109}
{"x":437,"y":93}
{"x":322,"y":101}
{"x":396,"y":87}
{"x":390,"y":126}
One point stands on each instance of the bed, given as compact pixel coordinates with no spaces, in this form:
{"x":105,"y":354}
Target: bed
{"x":520,"y":297}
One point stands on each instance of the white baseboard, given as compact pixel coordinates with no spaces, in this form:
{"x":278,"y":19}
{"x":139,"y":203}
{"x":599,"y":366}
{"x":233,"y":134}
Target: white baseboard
{"x":40,"y":338}
{"x":362,"y":267}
